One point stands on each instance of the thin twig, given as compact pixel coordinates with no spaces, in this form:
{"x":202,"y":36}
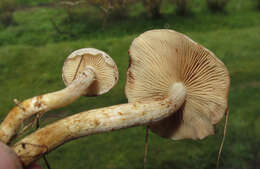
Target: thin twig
{"x":146,"y":146}
{"x":25,"y":128}
{"x":38,"y":126}
{"x":46,"y":162}
{"x":223,"y":139}
{"x":37,"y":120}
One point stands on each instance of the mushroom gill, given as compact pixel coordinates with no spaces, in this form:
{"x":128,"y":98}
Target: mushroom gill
{"x":160,"y":58}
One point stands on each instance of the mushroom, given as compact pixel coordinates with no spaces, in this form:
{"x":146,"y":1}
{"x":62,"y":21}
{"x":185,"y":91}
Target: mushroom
{"x":170,"y":78}
{"x":105,"y":69}
{"x":161,"y":58}
{"x":86,"y":71}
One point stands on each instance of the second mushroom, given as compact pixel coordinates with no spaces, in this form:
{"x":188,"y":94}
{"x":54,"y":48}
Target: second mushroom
{"x":86,"y":71}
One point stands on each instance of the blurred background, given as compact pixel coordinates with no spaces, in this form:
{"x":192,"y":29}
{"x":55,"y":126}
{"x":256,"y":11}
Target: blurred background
{"x":37,"y":35}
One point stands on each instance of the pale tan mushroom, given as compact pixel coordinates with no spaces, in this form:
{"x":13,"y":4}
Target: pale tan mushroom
{"x":106,"y":73}
{"x":161,"y":85}
{"x":85,"y":72}
{"x":161,"y":58}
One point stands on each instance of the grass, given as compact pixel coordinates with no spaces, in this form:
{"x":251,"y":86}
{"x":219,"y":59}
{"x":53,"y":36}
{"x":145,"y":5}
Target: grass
{"x":31,"y":58}
{"x":35,"y":26}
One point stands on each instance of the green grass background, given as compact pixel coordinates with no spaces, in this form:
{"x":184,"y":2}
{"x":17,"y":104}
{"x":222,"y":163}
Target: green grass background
{"x":32,"y":55}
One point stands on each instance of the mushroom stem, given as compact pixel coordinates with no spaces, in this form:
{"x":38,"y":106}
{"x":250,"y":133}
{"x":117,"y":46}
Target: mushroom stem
{"x":41,"y":104}
{"x":96,"y":121}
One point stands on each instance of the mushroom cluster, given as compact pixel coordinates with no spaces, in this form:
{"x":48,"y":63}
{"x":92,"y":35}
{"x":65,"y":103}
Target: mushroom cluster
{"x":174,"y":85}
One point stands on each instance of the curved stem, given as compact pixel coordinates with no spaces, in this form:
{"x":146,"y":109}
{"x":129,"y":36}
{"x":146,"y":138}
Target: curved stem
{"x":41,"y":104}
{"x":96,"y":121}
{"x":146,"y":146}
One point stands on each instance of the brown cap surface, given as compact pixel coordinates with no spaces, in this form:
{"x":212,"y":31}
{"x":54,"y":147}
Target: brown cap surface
{"x":106,"y":73}
{"x":158,"y":59}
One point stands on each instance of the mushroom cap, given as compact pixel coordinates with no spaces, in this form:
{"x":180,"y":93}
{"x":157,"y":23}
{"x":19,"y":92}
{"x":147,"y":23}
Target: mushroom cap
{"x":160,"y":58}
{"x":106,"y":73}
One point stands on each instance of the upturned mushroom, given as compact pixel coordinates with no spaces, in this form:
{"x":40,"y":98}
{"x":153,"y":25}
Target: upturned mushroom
{"x":86,"y":71}
{"x":161,"y":58}
{"x":170,"y":77}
